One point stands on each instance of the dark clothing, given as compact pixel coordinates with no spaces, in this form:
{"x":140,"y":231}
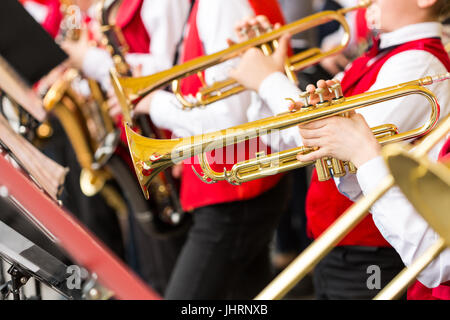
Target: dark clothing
{"x":344,"y":272}
{"x":226,"y":255}
{"x":291,"y":232}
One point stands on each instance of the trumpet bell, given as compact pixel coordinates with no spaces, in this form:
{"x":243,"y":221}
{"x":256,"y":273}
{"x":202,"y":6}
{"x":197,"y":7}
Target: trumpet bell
{"x":149,"y":156}
{"x":426,"y":184}
{"x":134,"y":88}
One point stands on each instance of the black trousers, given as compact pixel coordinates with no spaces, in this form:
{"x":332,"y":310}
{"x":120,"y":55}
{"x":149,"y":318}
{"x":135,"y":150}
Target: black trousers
{"x":226,"y":255}
{"x":347,"y":272}
{"x":291,"y":234}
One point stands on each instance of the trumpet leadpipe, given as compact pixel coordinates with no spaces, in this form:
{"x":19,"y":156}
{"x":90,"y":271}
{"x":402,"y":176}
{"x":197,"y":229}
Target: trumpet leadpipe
{"x":151,"y":156}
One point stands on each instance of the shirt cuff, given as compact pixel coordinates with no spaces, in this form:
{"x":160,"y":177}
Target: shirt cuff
{"x":275,"y":89}
{"x":371,"y":173}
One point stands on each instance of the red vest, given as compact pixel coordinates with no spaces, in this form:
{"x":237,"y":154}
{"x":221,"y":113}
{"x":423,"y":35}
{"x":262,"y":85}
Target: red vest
{"x":194,"y":192}
{"x":324,"y":203}
{"x":417,"y":291}
{"x":128,"y":19}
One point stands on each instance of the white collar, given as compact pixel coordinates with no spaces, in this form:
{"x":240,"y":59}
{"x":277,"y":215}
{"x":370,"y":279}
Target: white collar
{"x":410,"y":33}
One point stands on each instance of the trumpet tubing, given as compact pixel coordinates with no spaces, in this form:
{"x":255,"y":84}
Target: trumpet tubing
{"x":151,"y":156}
{"x":266,"y":165}
{"x":131,"y":89}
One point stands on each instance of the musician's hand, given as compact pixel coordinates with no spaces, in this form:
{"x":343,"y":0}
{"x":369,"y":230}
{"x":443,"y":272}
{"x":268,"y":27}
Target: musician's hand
{"x":143,"y":106}
{"x":114,"y":108}
{"x":348,"y":139}
{"x":254,"y":66}
{"x":335,"y":64}
{"x":76,"y":50}
{"x":253,"y":26}
{"x":177,"y":170}
{"x":327,"y":94}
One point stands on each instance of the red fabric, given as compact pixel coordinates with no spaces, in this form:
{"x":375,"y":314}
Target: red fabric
{"x":362,"y":31}
{"x":324,"y":203}
{"x":444,"y":155}
{"x":268,"y":8}
{"x":129,"y":20}
{"x":360,"y":77}
{"x":194,"y":192}
{"x":417,"y":291}
{"x":52,"y":21}
{"x":192,"y":49}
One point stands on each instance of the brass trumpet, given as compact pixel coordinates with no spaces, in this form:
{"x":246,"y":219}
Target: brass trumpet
{"x":129,"y":89}
{"x":151,"y":156}
{"x":427,"y":187}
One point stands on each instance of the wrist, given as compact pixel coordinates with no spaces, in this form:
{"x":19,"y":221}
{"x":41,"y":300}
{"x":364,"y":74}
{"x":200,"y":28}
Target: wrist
{"x":366,"y":154}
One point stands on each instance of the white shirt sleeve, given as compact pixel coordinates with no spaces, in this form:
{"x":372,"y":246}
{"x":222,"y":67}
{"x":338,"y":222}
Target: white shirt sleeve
{"x":164,"y":21}
{"x":412,"y":111}
{"x":215,"y":22}
{"x":406,"y":113}
{"x":402,"y":226}
{"x":394,"y":216}
{"x":96,"y":65}
{"x":274,"y":94}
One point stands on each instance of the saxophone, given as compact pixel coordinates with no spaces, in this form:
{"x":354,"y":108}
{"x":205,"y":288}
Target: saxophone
{"x":168,"y":215}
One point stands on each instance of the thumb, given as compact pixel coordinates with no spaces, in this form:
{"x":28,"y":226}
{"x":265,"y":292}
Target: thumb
{"x":280,"y":53}
{"x":230,"y":42}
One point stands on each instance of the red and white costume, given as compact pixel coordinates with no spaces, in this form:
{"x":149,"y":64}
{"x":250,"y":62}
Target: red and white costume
{"x":46,"y":12}
{"x":210,"y":25}
{"x":151,"y":29}
{"x":409,"y":53}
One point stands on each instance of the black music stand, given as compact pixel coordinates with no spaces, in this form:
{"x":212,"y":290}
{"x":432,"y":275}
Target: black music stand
{"x":29,"y":260}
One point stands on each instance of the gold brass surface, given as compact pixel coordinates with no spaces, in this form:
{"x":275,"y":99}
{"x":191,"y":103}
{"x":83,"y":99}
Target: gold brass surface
{"x":151,"y":156}
{"x":131,"y":89}
{"x":413,"y":172}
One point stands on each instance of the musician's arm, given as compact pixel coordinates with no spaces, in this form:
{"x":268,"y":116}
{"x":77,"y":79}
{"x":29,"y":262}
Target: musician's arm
{"x":401,"y":225}
{"x":165,"y":110}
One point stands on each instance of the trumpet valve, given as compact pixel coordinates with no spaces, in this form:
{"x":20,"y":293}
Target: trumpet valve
{"x":322,"y":101}
{"x":323,"y":172}
{"x":337,"y":166}
{"x":338,"y":96}
{"x":305,"y":97}
{"x":351,"y":167}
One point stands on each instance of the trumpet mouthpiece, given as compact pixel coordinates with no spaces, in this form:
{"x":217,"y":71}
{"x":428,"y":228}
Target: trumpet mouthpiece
{"x":441,"y":77}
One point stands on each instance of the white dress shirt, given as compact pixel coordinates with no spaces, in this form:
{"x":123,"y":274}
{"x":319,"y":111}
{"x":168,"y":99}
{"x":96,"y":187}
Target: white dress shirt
{"x":402,"y":226}
{"x":396,"y":219}
{"x":215,"y":22}
{"x":164,"y":22}
{"x":403,"y":67}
